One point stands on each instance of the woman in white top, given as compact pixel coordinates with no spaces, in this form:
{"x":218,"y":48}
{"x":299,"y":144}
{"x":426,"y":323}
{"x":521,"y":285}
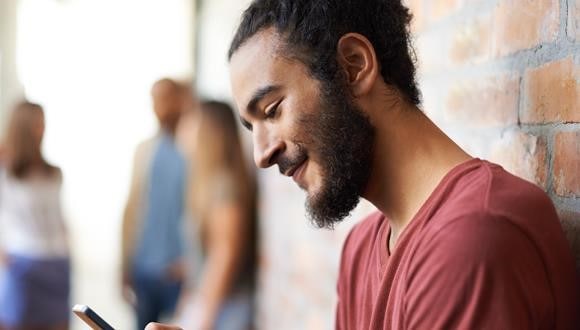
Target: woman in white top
{"x":34,"y":254}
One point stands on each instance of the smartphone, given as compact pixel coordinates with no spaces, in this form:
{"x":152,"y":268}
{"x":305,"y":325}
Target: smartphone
{"x":91,"y":318}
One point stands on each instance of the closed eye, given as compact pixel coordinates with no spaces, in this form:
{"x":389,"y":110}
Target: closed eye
{"x":272,"y":111}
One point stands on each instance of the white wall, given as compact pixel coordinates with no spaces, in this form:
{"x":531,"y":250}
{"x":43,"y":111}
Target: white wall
{"x":91,"y":64}
{"x":218,"y":20}
{"x":10,"y":88}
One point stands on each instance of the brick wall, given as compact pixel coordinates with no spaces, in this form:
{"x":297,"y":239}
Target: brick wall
{"x":501,"y":77}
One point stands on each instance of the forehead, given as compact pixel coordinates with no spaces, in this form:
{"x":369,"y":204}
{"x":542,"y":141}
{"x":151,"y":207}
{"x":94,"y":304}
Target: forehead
{"x":258,"y":63}
{"x":163,"y":88}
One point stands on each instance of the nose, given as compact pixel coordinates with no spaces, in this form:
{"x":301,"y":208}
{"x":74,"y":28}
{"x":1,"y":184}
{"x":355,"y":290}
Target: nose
{"x":266,"y":148}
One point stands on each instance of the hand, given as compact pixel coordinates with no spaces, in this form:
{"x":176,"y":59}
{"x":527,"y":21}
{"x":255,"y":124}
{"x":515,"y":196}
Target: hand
{"x":159,"y":326}
{"x":3,"y":258}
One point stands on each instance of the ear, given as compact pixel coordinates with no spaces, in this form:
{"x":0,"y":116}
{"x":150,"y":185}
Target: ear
{"x":357,"y":57}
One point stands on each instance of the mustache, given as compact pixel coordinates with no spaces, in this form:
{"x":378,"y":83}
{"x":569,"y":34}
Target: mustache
{"x":286,"y":163}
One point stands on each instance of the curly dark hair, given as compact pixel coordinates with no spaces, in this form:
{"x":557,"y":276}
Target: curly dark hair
{"x":312,"y":29}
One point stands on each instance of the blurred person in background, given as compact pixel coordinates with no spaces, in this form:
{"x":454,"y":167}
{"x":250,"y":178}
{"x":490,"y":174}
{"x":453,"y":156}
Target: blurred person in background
{"x":186,"y":134}
{"x":34,"y":249}
{"x":222,"y":200}
{"x":153,"y":243}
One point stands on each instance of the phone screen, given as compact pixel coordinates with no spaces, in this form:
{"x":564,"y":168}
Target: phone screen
{"x":91,"y":318}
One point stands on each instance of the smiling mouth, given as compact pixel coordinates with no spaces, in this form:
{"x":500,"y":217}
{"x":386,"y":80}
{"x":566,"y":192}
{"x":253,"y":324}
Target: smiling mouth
{"x":297,"y":171}
{"x":287,"y":168}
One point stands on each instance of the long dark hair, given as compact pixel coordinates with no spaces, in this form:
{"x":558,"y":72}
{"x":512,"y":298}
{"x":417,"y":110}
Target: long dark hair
{"x":220,"y":151}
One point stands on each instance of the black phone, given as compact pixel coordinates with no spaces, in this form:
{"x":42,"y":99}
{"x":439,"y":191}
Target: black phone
{"x":91,"y":318}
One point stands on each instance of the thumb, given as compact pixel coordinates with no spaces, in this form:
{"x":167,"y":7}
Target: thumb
{"x":159,"y":326}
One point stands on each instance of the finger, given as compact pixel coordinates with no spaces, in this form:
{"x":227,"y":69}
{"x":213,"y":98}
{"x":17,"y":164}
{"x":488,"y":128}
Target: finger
{"x":159,"y":326}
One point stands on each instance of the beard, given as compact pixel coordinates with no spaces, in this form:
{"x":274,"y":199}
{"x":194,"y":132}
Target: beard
{"x":342,"y":136}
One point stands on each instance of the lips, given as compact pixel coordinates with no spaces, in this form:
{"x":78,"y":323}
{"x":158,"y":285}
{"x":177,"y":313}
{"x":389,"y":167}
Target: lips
{"x":297,"y":171}
{"x":289,"y":169}
{"x":288,"y":166}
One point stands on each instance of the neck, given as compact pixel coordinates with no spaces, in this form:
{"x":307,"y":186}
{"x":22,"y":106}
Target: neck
{"x":411,"y":157}
{"x":169,"y":128}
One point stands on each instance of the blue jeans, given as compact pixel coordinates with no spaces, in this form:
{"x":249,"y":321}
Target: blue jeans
{"x":156,"y":297}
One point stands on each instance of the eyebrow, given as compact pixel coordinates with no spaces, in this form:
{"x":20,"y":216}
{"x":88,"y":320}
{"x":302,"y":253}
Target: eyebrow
{"x":246,"y":124}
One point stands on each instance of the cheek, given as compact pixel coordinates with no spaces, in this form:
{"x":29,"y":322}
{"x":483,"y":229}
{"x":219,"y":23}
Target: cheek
{"x":296,"y":128}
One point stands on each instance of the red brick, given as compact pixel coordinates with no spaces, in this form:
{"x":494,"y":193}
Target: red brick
{"x":472,"y":41}
{"x":491,"y":101}
{"x":576,"y":16}
{"x":523,"y":155}
{"x":573,"y":26}
{"x":523,"y":24}
{"x":552,"y":93}
{"x":567,"y":164}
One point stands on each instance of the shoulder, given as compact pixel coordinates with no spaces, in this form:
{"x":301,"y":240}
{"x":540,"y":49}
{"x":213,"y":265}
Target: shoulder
{"x":478,"y":245}
{"x":147,"y":144}
{"x":482,"y":215}
{"x":56,"y":172}
{"x":145,"y":148}
{"x":483,"y":218}
{"x":476,"y":270}
{"x":360,"y":241}
{"x":495,"y":219}
{"x":358,"y":248}
{"x":488,"y":191}
{"x":522,"y":204}
{"x":368,"y":223}
{"x":497,"y":187}
{"x":367,"y":228}
{"x":476,"y":234}
{"x":509,"y":194}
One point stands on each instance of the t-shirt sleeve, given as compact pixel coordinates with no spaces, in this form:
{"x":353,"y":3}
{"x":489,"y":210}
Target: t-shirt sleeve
{"x":479,"y":272}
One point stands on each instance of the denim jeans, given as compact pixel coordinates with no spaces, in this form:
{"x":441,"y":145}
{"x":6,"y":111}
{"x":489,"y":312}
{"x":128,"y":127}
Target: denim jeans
{"x":156,"y":297}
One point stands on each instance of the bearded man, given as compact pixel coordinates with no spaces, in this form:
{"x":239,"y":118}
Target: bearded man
{"x":328,"y":90}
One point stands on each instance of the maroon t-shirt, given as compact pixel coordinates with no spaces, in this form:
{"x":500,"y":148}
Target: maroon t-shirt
{"x":485,"y":251}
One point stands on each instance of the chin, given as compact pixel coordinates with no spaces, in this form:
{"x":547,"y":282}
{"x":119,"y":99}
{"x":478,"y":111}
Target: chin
{"x":311,"y":190}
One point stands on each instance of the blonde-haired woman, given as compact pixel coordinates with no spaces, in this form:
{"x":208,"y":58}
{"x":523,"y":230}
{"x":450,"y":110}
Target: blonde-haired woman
{"x":34,"y":291}
{"x":222,"y":200}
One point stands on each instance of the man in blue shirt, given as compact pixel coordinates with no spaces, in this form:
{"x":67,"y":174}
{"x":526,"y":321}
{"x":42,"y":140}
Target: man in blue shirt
{"x":153,"y":242}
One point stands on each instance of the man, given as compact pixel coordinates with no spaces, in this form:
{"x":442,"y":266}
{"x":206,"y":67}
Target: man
{"x":153,"y":264}
{"x":328,"y":90}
